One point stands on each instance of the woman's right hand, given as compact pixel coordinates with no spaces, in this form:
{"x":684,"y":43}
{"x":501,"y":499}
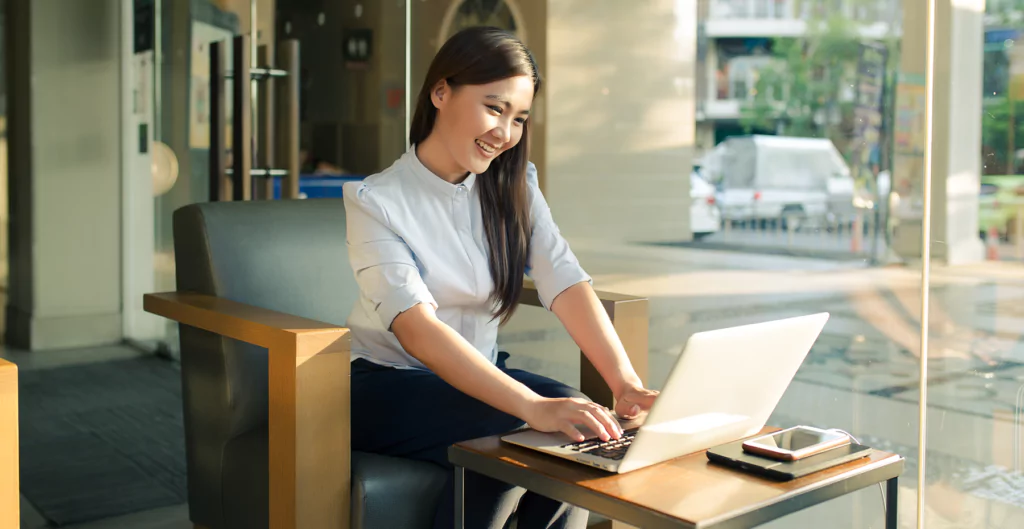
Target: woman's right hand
{"x":564,"y":414}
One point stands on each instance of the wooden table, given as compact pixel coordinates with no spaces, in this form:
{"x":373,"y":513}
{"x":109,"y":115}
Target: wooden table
{"x":687,"y":492}
{"x":10,"y":500}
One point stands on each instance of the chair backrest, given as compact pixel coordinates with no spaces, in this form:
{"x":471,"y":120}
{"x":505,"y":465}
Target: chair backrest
{"x":289,"y":256}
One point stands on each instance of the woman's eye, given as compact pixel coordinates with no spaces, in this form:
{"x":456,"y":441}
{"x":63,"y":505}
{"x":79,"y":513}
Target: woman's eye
{"x":520,"y":120}
{"x":496,"y":110}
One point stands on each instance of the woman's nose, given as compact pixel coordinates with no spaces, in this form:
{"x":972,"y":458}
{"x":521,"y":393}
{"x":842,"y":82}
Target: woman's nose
{"x":502,"y":133}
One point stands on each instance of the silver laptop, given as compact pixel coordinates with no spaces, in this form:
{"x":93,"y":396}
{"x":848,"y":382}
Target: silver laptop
{"x":722,"y":388}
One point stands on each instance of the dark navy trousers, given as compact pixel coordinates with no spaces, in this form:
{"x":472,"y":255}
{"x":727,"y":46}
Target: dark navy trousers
{"x":413,"y":413}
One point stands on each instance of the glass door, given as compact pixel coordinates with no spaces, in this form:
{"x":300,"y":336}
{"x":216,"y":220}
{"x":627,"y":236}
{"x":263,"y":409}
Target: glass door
{"x":170,"y":123}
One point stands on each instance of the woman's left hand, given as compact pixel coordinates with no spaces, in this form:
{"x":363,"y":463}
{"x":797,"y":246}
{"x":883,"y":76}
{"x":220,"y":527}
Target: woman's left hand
{"x":632,"y":400}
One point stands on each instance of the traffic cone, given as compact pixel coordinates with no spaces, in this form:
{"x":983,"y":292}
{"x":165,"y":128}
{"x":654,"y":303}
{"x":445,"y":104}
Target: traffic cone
{"x":992,"y":244}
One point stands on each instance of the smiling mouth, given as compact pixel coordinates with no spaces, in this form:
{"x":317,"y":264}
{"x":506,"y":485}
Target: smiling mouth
{"x":487,"y":147}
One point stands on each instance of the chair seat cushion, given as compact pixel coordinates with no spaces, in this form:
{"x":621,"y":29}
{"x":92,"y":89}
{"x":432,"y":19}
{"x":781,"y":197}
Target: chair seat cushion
{"x":394,"y":492}
{"x":387,"y":492}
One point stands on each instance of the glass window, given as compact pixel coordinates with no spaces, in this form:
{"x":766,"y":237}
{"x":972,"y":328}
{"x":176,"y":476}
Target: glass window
{"x":811,"y":141}
{"x":974,"y":388}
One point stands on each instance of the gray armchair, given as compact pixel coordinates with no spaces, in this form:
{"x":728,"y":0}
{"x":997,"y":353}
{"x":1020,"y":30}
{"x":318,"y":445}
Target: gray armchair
{"x":265,"y":378}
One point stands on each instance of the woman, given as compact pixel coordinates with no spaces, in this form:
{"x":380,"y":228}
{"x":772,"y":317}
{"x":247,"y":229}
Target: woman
{"x":439,"y":243}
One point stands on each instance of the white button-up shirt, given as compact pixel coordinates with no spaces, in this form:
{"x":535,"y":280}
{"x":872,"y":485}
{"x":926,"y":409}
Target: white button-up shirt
{"x":415,"y":238}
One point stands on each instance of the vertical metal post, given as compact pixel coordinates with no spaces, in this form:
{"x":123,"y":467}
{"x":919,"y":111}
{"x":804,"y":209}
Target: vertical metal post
{"x":241,"y":133}
{"x":220,"y":186}
{"x":408,"y":70}
{"x":265,"y":125}
{"x":254,"y":85}
{"x":892,"y":497}
{"x":460,"y":498}
{"x":158,"y":64}
{"x":926,"y":260}
{"x":288,"y":58}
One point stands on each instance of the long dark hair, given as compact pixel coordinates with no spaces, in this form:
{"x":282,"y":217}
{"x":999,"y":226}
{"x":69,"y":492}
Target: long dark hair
{"x":476,"y":56}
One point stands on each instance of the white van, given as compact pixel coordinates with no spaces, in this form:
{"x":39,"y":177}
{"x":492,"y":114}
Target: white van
{"x":773,"y":177}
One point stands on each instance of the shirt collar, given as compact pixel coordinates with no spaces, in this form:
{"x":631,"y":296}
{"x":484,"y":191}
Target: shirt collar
{"x":432,"y":180}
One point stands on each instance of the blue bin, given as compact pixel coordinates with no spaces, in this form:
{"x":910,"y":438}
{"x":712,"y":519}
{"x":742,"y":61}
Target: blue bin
{"x":319,"y":186}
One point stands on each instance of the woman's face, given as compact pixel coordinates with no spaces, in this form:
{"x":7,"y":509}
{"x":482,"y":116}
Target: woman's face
{"x":479,"y":122}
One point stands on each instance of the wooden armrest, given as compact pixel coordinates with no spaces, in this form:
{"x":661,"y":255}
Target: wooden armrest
{"x":10,"y":501}
{"x":630,"y":316}
{"x":309,"y":402}
{"x":239,"y":321}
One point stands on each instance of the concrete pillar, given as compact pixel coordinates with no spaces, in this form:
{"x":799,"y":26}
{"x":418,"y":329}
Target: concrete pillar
{"x":956,"y":163}
{"x":64,"y":103}
{"x":620,"y":116}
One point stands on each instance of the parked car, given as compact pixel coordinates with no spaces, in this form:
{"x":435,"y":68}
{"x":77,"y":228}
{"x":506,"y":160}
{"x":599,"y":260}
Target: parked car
{"x":772,"y":177}
{"x":1000,"y":200}
{"x":705,"y":218}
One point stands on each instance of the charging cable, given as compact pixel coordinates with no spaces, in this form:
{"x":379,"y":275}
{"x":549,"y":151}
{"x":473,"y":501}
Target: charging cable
{"x":885,"y":508}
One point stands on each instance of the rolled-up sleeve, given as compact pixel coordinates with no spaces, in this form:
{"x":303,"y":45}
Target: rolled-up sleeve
{"x":552,"y":265}
{"x":384,"y":265}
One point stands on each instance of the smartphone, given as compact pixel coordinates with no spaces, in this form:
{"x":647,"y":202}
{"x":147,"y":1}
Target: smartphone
{"x":795,"y":443}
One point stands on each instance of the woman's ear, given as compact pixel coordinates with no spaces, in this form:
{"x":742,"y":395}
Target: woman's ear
{"x":440,"y":94}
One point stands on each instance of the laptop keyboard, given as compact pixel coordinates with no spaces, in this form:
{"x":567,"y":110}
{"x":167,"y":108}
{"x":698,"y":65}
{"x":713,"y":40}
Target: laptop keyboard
{"x":611,"y":449}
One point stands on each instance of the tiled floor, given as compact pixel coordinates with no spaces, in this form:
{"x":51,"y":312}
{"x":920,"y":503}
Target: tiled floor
{"x":175,"y":517}
{"x":861,"y":376}
{"x":165,"y":518}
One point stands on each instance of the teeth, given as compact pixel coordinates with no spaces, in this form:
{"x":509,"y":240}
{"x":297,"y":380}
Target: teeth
{"x":488,"y":148}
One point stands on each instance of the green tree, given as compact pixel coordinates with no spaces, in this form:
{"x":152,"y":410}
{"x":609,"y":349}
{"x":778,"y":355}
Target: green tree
{"x":1004,"y":12}
{"x":996,"y":141}
{"x":808,"y":89}
{"x":1002,"y":126}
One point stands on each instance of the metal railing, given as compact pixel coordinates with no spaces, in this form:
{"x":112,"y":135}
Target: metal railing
{"x":857,"y":235}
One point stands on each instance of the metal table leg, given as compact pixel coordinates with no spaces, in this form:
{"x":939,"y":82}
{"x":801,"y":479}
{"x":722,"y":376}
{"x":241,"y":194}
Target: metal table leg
{"x":460,"y":491}
{"x":892,"y":503}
